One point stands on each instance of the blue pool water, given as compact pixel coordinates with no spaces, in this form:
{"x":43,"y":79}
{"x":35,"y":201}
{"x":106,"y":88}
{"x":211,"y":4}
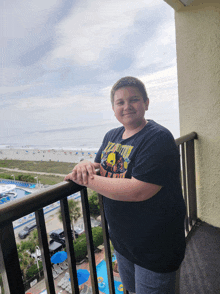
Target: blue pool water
{"x":102,"y":273}
{"x":21,"y":193}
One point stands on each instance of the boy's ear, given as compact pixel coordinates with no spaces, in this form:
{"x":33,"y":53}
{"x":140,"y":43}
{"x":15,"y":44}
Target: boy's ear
{"x":147,"y":104}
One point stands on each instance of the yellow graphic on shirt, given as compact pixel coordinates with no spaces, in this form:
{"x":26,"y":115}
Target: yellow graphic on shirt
{"x":111,"y":158}
{"x":115,"y":160}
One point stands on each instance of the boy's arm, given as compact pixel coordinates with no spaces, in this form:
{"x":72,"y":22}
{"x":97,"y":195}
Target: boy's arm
{"x":119,"y":189}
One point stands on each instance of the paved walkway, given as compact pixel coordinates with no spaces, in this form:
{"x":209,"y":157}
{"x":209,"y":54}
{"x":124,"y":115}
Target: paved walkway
{"x":33,"y":172}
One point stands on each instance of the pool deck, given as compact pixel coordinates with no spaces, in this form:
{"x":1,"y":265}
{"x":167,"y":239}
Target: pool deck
{"x":39,"y":287}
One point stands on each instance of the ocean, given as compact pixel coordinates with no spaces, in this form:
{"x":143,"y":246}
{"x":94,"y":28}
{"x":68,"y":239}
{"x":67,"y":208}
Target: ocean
{"x":77,"y":137}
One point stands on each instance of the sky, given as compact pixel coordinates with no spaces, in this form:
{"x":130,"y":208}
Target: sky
{"x":60,"y":59}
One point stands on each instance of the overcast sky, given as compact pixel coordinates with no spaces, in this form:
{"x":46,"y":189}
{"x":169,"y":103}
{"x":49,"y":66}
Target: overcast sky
{"x":61,"y":57}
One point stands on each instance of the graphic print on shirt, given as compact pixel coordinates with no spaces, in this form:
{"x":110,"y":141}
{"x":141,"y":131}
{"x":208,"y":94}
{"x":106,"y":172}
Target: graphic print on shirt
{"x":115,"y":160}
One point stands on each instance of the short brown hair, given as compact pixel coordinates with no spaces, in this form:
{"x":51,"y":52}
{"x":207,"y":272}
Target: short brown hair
{"x":129,"y":82}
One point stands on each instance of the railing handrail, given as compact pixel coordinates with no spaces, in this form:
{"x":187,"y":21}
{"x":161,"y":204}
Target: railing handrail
{"x":18,"y":208}
{"x":186,"y":138}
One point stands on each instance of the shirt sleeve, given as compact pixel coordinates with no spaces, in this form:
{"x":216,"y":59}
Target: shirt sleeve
{"x":157,"y":162}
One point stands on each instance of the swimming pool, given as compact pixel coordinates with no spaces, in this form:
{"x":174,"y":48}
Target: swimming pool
{"x":102,"y":273}
{"x":13,"y":194}
{"x":21,"y":193}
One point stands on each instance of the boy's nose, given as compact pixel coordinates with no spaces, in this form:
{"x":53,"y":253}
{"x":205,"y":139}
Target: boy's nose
{"x":127,"y":105}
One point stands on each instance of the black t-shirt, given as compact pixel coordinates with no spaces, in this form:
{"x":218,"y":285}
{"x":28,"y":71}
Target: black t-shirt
{"x":149,"y":233}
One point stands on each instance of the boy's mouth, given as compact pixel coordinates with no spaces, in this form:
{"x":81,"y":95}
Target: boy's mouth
{"x":128,"y":113}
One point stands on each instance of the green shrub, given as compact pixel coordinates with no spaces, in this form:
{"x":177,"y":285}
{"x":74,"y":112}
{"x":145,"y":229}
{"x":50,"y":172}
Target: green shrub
{"x":6,"y":176}
{"x":33,"y":270}
{"x":40,"y":265}
{"x":94,"y":204}
{"x":80,"y":248}
{"x":25,"y":178}
{"x":27,"y":245}
{"x":80,"y":245}
{"x":97,"y":236}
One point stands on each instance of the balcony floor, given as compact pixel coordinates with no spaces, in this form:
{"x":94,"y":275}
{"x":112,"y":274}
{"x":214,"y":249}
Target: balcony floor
{"x":200,"y":270}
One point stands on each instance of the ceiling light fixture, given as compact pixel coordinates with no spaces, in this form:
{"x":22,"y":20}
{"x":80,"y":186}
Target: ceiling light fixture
{"x":186,"y":2}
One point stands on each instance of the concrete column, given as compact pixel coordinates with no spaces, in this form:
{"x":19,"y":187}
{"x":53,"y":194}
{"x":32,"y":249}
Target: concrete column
{"x":198,"y":64}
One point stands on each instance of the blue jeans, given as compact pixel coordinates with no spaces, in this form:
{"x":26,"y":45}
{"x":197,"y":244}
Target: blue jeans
{"x":139,"y":280}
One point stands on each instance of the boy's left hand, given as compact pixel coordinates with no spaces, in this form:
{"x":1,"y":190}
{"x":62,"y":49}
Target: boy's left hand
{"x":81,"y":172}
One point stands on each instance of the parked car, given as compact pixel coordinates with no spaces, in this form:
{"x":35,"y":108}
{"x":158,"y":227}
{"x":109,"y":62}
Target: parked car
{"x":54,"y":247}
{"x":26,"y":231}
{"x":78,"y":230}
{"x":95,"y":223}
{"x":58,"y":236}
{"x":36,"y":255}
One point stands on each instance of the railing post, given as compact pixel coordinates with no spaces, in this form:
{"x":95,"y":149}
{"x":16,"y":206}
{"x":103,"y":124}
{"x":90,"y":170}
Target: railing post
{"x":42,"y":236}
{"x":108,"y":256}
{"x":89,"y":239}
{"x":9,"y":262}
{"x":69,"y":245}
{"x":190,"y":161}
{"x":185,"y":195}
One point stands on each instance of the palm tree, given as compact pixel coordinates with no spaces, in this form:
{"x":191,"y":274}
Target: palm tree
{"x":33,"y":238}
{"x":24,"y":257}
{"x":74,"y":211}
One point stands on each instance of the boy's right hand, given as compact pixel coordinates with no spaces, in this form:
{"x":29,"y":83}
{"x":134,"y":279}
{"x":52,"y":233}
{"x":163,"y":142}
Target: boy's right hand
{"x":81,"y":172}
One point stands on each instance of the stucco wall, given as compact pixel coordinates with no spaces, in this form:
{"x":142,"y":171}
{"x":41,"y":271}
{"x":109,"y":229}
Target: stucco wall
{"x":198,"y":63}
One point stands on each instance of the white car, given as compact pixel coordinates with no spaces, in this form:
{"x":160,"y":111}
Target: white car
{"x":37,"y":254}
{"x":78,"y":230}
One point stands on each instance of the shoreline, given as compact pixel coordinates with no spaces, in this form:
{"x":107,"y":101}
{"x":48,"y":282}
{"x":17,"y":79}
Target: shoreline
{"x":58,"y":155}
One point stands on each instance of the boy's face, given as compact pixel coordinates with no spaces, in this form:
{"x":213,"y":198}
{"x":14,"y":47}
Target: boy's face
{"x":129,"y":106}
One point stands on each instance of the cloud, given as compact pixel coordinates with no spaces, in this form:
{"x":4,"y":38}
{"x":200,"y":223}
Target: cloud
{"x":28,"y":30}
{"x":96,"y":26}
{"x":160,"y":49}
{"x":61,"y":58}
{"x":7,"y":90}
{"x":161,"y":85}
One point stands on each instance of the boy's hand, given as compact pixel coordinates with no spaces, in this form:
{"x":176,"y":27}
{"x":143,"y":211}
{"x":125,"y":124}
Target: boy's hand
{"x":81,"y":172}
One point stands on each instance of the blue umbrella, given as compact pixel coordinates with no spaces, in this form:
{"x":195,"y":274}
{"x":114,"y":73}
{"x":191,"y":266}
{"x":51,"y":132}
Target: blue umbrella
{"x":83,"y":276}
{"x":59,"y":257}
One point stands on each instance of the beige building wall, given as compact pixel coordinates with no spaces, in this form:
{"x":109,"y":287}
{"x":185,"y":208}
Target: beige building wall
{"x":198,"y":64}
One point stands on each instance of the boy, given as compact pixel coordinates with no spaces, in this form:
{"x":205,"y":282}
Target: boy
{"x":143,"y":203}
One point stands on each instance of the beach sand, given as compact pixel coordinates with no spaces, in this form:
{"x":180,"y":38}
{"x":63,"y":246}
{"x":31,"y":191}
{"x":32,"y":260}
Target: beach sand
{"x":73,"y":156}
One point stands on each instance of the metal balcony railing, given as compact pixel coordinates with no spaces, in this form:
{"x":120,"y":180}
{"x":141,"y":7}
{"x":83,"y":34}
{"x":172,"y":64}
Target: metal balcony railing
{"x":188,"y":179}
{"x":9,"y":212}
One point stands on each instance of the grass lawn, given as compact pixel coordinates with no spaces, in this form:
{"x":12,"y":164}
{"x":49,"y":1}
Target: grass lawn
{"x":39,"y":166}
{"x":45,"y":180}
